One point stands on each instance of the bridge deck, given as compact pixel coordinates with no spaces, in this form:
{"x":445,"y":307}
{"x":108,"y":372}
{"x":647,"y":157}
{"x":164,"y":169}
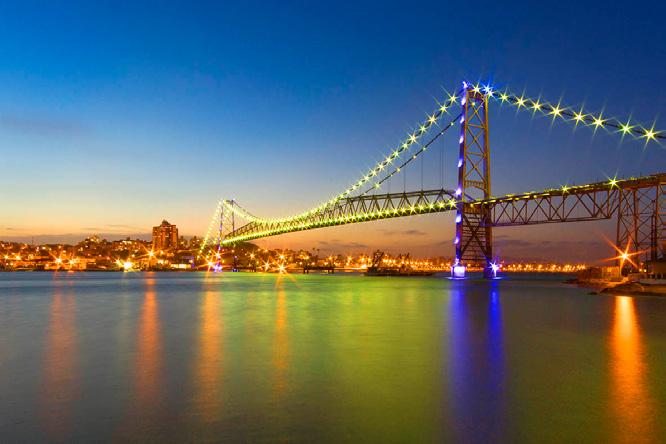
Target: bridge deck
{"x":566,"y":204}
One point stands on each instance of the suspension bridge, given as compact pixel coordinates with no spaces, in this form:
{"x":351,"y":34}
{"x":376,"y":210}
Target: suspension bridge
{"x":637,"y":203}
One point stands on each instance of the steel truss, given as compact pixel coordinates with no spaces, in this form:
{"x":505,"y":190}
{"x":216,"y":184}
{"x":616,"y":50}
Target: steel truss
{"x":353,"y":210}
{"x":553,"y":207}
{"x":639,"y":204}
{"x":640,"y":221}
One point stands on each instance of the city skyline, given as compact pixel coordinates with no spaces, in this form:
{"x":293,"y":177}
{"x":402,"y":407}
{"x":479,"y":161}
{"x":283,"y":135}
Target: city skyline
{"x":108,"y":143}
{"x":529,"y":249}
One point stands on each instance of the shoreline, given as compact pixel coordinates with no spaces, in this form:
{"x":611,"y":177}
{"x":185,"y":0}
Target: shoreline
{"x":625,"y":287}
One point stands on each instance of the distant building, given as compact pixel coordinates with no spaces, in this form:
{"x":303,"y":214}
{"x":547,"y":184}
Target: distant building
{"x":165,"y":236}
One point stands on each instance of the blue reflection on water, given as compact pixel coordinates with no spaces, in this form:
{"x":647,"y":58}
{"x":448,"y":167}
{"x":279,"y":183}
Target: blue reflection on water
{"x":477,"y":358}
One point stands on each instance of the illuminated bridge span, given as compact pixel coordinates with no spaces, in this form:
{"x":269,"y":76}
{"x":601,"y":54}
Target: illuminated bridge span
{"x":595,"y":201}
{"x":639,"y":204}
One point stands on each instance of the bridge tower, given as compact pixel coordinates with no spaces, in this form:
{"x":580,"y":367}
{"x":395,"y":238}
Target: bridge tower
{"x":474,"y":238}
{"x":227,"y":225}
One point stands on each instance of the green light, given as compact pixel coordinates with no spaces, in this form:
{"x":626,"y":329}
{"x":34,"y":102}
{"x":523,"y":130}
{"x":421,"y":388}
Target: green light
{"x":649,"y":134}
{"x":625,"y":128}
{"x":598,"y":121}
{"x":579,"y":117}
{"x":556,"y":111}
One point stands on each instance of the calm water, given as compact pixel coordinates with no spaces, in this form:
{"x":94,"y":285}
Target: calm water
{"x":252,"y":357}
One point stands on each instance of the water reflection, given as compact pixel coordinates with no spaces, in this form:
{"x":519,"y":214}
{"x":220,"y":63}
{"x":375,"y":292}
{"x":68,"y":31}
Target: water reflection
{"x":629,"y":386}
{"x":148,"y":364}
{"x":147,"y":378}
{"x":59,"y":388}
{"x":209,"y":360}
{"x":280,"y":345}
{"x":477,"y":362}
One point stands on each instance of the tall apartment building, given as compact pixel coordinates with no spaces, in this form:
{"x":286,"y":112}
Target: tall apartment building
{"x":165,"y":236}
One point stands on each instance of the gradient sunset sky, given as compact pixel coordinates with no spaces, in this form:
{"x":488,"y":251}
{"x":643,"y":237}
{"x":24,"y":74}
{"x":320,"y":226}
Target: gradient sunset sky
{"x":116,"y":115}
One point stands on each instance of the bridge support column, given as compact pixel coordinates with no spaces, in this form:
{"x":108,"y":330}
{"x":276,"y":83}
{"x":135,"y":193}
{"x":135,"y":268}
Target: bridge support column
{"x":660,"y":231}
{"x":473,"y":240}
{"x":640,"y":225}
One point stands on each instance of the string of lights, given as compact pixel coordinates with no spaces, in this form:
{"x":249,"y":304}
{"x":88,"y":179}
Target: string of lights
{"x":412,"y":139}
{"x":240,"y":211}
{"x":571,"y":115}
{"x":381,"y":165}
{"x":210,"y":227}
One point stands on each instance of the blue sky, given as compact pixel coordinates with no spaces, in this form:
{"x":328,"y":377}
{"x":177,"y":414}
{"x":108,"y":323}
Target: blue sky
{"x":116,"y":115}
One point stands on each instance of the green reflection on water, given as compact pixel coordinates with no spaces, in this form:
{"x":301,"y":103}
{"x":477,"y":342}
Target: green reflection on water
{"x":267,"y":357}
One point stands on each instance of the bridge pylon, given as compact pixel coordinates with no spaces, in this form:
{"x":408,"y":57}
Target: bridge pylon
{"x":474,"y":237}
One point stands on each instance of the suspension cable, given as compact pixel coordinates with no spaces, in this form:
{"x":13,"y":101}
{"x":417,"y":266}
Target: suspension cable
{"x":414,"y":156}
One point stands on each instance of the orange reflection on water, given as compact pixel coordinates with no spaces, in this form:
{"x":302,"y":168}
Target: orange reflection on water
{"x":147,"y":397}
{"x":280,"y":345}
{"x":208,"y":387}
{"x":59,"y":390}
{"x":148,"y":364}
{"x":631,"y":400}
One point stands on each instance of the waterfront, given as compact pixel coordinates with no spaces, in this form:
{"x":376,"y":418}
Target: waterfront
{"x":267,"y":357}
